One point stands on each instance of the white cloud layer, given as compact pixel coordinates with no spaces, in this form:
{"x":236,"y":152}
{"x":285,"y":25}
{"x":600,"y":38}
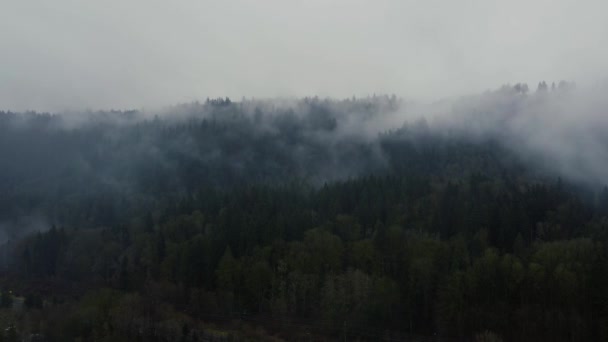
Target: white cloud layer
{"x":71,"y":54}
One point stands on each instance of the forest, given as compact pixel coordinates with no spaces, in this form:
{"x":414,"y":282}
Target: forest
{"x":363,"y":219}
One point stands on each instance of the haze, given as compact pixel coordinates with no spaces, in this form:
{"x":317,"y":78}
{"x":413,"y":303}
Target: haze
{"x":69,"y":54}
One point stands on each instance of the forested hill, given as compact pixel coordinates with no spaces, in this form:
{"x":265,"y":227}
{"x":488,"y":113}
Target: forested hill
{"x":49,"y":162}
{"x":484,"y":218}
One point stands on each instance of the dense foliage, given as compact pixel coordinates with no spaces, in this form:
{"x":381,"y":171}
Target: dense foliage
{"x":173,"y":228}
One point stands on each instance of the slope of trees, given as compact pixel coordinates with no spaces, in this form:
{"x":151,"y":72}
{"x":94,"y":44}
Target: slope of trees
{"x":173,"y":229}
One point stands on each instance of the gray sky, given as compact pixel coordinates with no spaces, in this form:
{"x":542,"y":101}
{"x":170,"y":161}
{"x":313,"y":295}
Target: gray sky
{"x":72,"y":54}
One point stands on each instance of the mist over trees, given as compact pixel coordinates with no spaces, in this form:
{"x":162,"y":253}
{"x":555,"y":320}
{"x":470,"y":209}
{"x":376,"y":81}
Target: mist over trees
{"x":220,"y":142}
{"x":372,"y":218}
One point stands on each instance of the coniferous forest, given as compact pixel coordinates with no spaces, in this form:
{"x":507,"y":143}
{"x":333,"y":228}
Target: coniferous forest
{"x":305,"y":220}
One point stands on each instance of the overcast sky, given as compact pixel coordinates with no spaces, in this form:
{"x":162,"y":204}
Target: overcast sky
{"x":72,"y":54}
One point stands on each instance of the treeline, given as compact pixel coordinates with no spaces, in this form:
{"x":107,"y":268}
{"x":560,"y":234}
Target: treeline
{"x":101,"y":165}
{"x":50,"y":161}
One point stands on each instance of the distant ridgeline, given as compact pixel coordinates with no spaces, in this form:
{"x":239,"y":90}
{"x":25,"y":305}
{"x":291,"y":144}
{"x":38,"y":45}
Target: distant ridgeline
{"x":45,"y":158}
{"x":49,"y":159}
{"x":308,"y":219}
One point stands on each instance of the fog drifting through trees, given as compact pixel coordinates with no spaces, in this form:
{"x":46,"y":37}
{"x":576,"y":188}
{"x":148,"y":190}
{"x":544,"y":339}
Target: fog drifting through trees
{"x":357,"y":218}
